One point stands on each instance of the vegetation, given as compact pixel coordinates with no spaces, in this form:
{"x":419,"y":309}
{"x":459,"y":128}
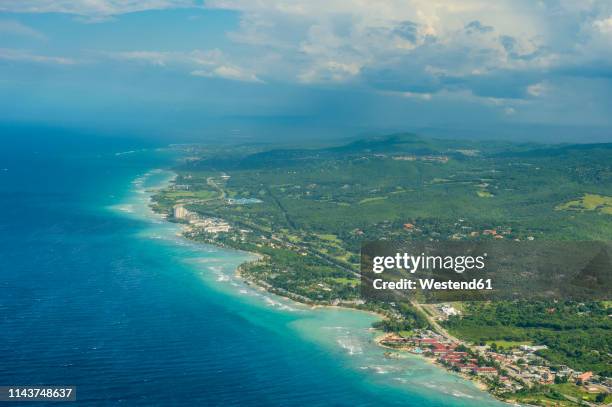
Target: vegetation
{"x":576,"y":335}
{"x":315,"y":206}
{"x":555,"y":395}
{"x":589,"y":202}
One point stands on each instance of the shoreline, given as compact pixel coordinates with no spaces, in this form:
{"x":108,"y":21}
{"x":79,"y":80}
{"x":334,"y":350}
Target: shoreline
{"x":272,"y":290}
{"x":377,"y":339}
{"x":313,"y":306}
{"x":482,"y":386}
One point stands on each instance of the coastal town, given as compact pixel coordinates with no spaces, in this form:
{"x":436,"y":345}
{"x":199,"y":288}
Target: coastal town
{"x":195,"y":221}
{"x":504,"y":372}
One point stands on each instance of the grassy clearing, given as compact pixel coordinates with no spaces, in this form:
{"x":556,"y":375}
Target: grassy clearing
{"x":579,"y":392}
{"x":328,"y":237}
{"x":352,"y":282}
{"x":484,"y":194}
{"x":508,"y":344}
{"x":589,"y":202}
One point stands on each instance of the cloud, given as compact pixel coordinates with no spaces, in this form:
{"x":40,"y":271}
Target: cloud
{"x":420,"y":96}
{"x":228,"y":72}
{"x":214,"y":63}
{"x":12,"y":27}
{"x":149,"y":57}
{"x":93,"y":8}
{"x":27,"y":56}
{"x":211,"y":63}
{"x":537,"y":89}
{"x":518,"y":53}
{"x":477,"y":26}
{"x":604,"y":25}
{"x":493,"y":49}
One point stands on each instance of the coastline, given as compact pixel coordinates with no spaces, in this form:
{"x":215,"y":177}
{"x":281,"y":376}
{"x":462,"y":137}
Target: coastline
{"x":258,"y":285}
{"x":377,"y":339}
{"x":482,"y":386}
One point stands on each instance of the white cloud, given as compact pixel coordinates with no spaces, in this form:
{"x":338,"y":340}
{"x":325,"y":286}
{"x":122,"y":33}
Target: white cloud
{"x":26,"y":56}
{"x":211,"y":63}
{"x":537,"y":89}
{"x":604,"y":25}
{"x":504,"y":49}
{"x":92,"y":8}
{"x":423,"y":46}
{"x":228,"y":72}
{"x":12,"y":27}
{"x":412,"y":95}
{"x":149,"y":57}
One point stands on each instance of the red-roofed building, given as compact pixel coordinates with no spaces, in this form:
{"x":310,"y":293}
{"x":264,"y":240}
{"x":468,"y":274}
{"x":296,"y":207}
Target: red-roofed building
{"x":584,"y":377}
{"x":439,"y":350}
{"x":457,"y":354}
{"x":429,"y":341}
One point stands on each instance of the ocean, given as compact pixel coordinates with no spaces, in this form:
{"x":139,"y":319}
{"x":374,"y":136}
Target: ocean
{"x":98,"y":292}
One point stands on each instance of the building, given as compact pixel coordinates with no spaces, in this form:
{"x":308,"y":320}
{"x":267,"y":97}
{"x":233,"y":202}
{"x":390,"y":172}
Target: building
{"x":223,"y":227}
{"x":528,"y":348}
{"x":439,"y":349}
{"x":449,"y":310}
{"x":180,"y":212}
{"x":584,"y":377}
{"x":466,"y":368}
{"x":485,"y":371}
{"x":565,"y":371}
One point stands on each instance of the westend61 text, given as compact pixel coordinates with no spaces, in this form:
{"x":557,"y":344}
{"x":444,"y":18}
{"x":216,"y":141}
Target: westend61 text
{"x":431,"y":284}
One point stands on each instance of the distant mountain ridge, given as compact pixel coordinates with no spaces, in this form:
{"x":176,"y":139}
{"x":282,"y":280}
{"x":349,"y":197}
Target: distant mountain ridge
{"x":394,"y":144}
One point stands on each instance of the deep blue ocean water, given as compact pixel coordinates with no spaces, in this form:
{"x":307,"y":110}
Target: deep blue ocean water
{"x":93,"y":294}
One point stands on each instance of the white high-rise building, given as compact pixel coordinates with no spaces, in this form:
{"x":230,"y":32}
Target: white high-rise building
{"x":180,"y":212}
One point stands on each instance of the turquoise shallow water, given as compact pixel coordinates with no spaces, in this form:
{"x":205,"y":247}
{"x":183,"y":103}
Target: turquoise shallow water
{"x":98,"y":292}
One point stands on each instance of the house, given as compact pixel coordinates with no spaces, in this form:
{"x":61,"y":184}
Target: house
{"x":485,"y":371}
{"x":449,"y":310}
{"x":439,"y":349}
{"x":426,"y":341}
{"x":528,"y":348}
{"x":584,"y":377}
{"x":547,"y":378}
{"x":466,"y":368}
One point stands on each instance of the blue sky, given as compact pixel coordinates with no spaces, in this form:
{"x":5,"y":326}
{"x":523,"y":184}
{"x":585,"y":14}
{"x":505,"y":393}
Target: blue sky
{"x":522,"y":69}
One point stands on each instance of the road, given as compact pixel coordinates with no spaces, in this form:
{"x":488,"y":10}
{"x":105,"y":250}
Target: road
{"x":211,"y":182}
